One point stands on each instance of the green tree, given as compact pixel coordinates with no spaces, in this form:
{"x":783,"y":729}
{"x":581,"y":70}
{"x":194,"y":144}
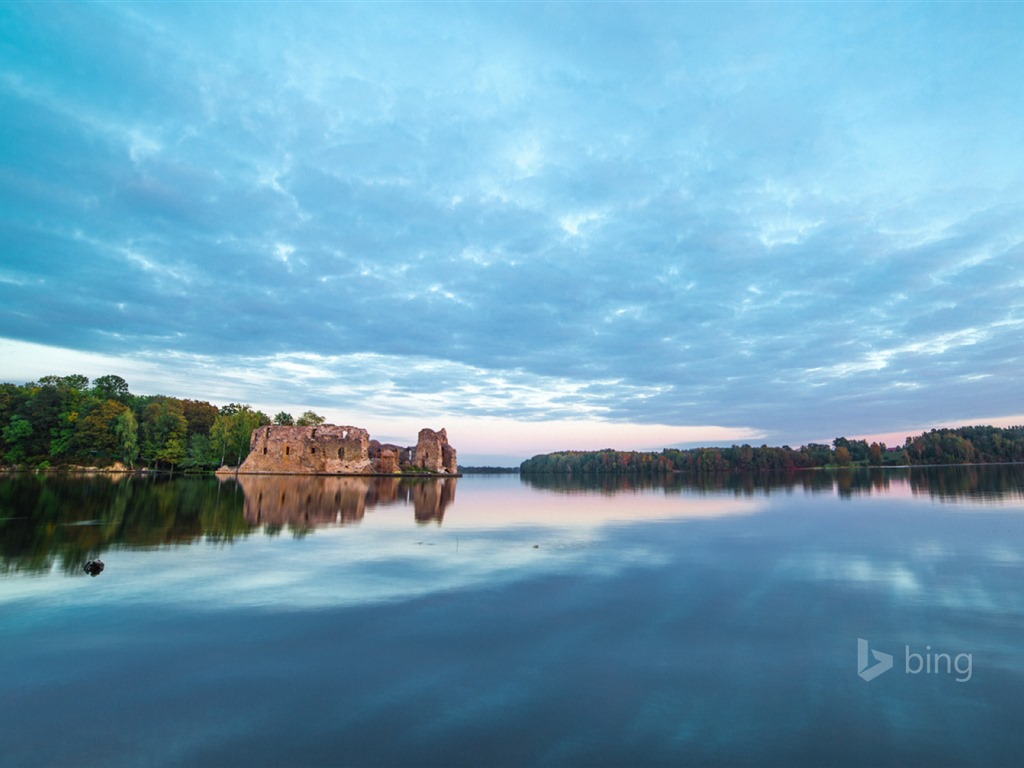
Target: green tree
{"x":200,"y":416}
{"x":309,"y":419}
{"x":231,"y":433}
{"x":17,"y":435}
{"x":174,"y":450}
{"x":75,"y":382}
{"x":284,"y":419}
{"x":54,"y":406}
{"x":96,"y":433}
{"x":62,"y":435}
{"x":200,"y":453}
{"x":127,"y":430}
{"x":111,"y":387}
{"x":164,"y":432}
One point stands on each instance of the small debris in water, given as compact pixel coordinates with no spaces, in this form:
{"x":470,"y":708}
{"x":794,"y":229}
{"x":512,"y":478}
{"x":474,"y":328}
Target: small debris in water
{"x":94,"y":567}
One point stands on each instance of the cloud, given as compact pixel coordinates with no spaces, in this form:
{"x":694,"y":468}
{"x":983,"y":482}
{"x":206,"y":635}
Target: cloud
{"x":793,"y":223}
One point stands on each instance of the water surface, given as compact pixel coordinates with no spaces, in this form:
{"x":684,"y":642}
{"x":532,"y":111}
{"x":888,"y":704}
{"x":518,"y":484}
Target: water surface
{"x":505,"y":621}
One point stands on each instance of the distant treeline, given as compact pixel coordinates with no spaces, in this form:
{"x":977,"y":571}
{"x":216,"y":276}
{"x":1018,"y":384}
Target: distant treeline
{"x":964,"y":445}
{"x":68,"y":420}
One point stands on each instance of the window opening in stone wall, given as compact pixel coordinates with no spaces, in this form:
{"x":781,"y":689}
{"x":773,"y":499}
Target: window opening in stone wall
{"x":314,"y":433}
{"x":264,"y":450}
{"x":287,"y":450}
{"x":341,"y":453}
{"x":312,"y":449}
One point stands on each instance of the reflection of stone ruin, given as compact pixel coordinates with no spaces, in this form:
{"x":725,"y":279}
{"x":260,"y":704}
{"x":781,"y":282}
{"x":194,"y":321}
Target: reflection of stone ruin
{"x":330,"y":450}
{"x":308,"y":502}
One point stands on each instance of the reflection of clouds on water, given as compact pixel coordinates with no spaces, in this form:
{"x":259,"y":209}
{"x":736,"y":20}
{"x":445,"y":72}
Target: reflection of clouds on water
{"x":930,"y":550}
{"x":1002,"y":554}
{"x":340,"y":567}
{"x":492,"y":535}
{"x":509,"y":503}
{"x":930,"y":574}
{"x":349,"y":540}
{"x":893,"y":577}
{"x":501,"y":531}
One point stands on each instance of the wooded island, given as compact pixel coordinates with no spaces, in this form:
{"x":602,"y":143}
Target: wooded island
{"x":963,"y":445}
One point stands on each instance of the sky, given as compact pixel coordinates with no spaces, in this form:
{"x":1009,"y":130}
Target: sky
{"x":540,"y":226}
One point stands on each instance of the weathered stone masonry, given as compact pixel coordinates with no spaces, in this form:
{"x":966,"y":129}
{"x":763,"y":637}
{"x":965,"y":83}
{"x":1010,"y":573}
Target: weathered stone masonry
{"x":327,"y":449}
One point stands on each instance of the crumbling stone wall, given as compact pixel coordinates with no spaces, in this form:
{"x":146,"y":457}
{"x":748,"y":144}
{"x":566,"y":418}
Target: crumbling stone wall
{"x":434,"y":453}
{"x":325,"y":450}
{"x":387,"y":458}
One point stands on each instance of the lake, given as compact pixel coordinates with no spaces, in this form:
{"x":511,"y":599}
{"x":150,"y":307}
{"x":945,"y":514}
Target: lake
{"x":823,"y":618}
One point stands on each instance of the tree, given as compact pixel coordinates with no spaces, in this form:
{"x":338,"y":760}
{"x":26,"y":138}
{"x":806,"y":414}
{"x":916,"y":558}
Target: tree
{"x":127,"y":430}
{"x":200,"y":452}
{"x":63,"y":433}
{"x":16,"y":435}
{"x":54,"y":406}
{"x":75,"y":382}
{"x":174,"y":449}
{"x":164,"y":432}
{"x":231,"y":433}
{"x":97,"y":432}
{"x":843,"y":456}
{"x":111,"y":387}
{"x":877,"y":450}
{"x":200,"y":416}
{"x":309,"y":419}
{"x":284,"y":419}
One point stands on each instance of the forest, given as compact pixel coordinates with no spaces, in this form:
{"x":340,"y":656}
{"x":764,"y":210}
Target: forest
{"x":62,"y":421}
{"x":964,"y":445}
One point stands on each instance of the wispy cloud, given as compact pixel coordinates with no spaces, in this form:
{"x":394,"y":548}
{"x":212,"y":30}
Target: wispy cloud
{"x":794,"y":221}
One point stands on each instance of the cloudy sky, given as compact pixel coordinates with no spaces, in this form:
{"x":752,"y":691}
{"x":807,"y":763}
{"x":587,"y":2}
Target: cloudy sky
{"x":543,"y":226}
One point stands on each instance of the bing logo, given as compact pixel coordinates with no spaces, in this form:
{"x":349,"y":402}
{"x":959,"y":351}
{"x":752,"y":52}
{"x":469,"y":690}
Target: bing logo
{"x":916,"y":663}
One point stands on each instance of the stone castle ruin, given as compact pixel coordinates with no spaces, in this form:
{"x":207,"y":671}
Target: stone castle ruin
{"x":327,"y":449}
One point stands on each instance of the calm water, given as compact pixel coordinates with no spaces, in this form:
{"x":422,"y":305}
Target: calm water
{"x":493,"y":621}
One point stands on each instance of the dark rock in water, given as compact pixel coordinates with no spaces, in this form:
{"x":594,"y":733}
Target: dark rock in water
{"x":94,"y":567}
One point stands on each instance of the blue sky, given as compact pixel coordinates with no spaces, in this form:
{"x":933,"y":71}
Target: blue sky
{"x":543,"y":226}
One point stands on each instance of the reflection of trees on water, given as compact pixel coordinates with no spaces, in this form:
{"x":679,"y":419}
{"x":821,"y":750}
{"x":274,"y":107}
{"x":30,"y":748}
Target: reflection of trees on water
{"x":75,"y":518}
{"x":304,"y":503}
{"x":974,"y":481}
{"x":737,"y":483}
